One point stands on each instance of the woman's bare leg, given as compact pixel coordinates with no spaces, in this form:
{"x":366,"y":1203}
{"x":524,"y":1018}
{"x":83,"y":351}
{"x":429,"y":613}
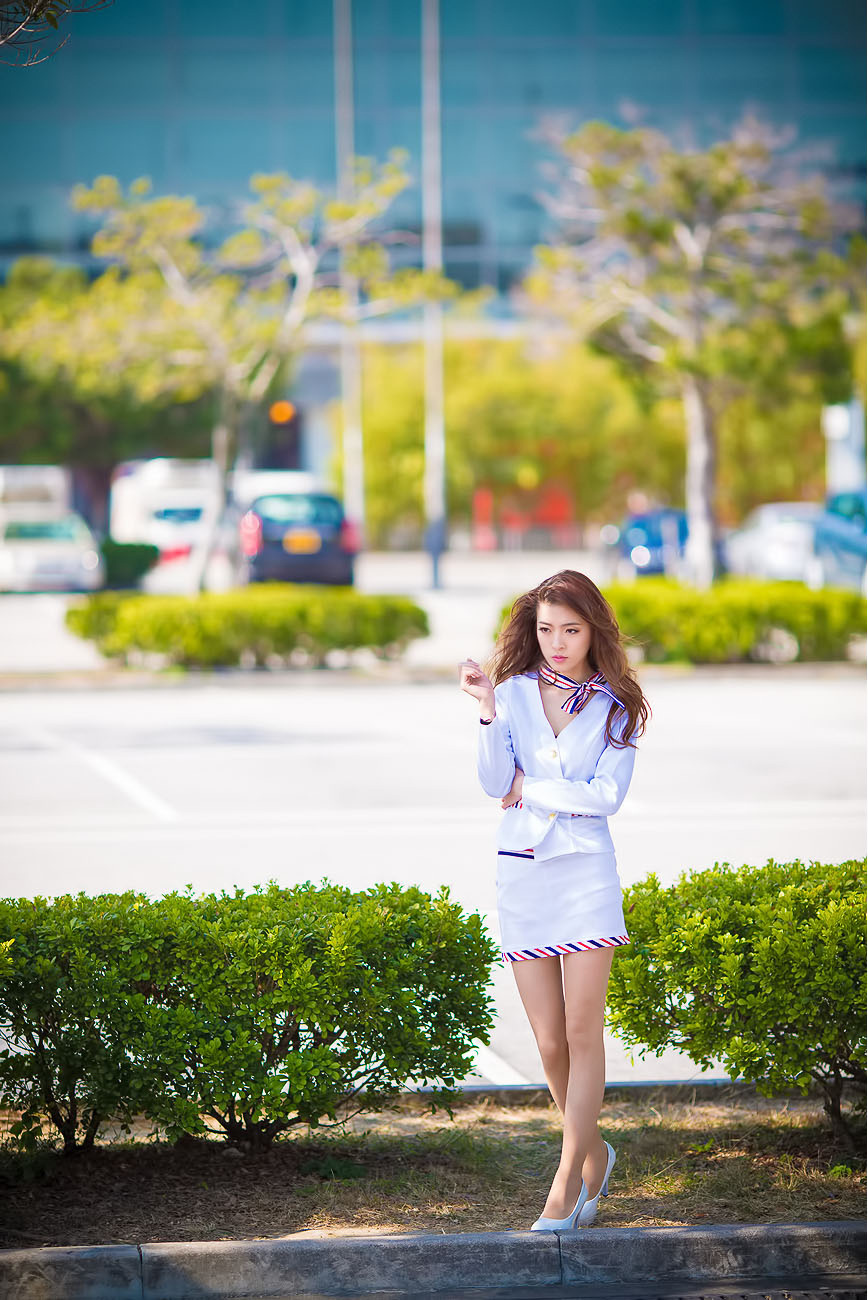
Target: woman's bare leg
{"x":541,"y":989}
{"x":583,"y":1154}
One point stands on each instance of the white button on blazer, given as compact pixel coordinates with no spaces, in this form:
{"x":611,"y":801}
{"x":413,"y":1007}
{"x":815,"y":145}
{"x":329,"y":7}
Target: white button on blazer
{"x":572,"y":782}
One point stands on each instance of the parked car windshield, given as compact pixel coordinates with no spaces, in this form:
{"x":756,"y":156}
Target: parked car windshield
{"x":70,"y":529}
{"x":299,"y":509}
{"x":178,"y":514}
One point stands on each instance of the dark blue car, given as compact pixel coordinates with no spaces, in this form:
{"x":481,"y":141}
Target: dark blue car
{"x":298,"y":537}
{"x":653,"y":542}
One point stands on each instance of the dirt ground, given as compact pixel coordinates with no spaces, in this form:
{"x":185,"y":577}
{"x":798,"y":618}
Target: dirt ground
{"x":736,"y":1159}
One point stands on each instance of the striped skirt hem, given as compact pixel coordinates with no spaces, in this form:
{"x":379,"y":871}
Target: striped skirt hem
{"x":556,"y":949}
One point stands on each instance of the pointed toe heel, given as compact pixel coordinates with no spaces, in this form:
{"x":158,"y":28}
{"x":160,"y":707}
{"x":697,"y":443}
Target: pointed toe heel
{"x":543,"y":1224}
{"x":587,"y":1211}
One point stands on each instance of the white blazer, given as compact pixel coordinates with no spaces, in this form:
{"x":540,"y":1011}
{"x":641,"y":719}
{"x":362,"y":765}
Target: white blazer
{"x":572,"y":782}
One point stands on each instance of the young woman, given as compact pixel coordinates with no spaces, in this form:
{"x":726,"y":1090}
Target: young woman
{"x":560,"y":711}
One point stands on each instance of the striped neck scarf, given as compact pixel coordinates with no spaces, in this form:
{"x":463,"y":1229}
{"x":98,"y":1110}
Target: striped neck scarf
{"x":580,"y":691}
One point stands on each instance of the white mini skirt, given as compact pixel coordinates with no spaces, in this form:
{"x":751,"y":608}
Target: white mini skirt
{"x":566,"y":904}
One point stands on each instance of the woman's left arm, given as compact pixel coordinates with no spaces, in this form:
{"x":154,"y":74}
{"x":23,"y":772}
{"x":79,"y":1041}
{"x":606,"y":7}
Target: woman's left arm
{"x":600,"y":797}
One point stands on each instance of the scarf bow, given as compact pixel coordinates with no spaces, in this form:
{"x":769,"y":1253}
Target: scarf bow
{"x":580,"y":692}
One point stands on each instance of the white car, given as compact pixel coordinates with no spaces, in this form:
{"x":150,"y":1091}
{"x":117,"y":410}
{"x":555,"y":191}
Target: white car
{"x":47,"y":550}
{"x":173,"y":505}
{"x":777,"y":541}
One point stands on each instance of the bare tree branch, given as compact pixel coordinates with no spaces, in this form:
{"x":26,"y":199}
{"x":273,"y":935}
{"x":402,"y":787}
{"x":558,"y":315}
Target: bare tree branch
{"x":26,"y":24}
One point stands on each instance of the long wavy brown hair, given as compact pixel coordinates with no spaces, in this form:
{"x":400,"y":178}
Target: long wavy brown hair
{"x":517,"y":649}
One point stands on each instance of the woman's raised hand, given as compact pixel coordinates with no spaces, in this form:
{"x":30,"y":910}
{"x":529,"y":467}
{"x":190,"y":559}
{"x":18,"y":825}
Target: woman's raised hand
{"x":474,"y":681}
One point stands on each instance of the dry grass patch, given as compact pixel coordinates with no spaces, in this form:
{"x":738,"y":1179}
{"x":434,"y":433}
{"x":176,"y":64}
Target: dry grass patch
{"x":739,"y":1158}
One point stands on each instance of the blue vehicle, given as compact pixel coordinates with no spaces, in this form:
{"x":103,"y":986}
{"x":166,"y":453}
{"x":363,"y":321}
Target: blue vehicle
{"x":840,"y":542}
{"x":298,"y":537}
{"x":653,"y":542}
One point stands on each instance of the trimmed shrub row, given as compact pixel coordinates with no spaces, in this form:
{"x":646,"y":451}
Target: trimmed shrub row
{"x":739,"y":620}
{"x":760,"y":968}
{"x":254,"y":1012}
{"x":254,"y":625}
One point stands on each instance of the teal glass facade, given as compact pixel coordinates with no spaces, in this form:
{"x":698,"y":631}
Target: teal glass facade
{"x":199,"y":95}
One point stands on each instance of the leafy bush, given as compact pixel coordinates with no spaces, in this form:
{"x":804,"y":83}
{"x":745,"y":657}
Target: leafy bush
{"x":738,"y":620}
{"x":257,"y":623}
{"x":762,"y":968}
{"x":252,"y":1012}
{"x":127,"y":562}
{"x":93,"y":619}
{"x":67,"y":963}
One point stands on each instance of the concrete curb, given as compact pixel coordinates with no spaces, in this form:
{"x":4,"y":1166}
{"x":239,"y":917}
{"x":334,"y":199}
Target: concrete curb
{"x":683,"y":1090}
{"x":793,"y":1253}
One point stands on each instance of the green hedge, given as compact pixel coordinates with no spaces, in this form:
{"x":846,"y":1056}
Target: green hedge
{"x":218,"y":629}
{"x":255,"y":1011}
{"x":738,"y":620}
{"x":762,"y":968}
{"x":126,"y":563}
{"x":94,"y":618}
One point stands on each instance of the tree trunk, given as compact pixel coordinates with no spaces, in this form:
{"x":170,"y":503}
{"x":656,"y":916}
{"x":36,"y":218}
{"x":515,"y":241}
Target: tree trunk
{"x":91,"y":485}
{"x":223,"y":447}
{"x":91,"y":1130}
{"x":699,"y":493}
{"x":833,"y":1091}
{"x":66,"y":1124}
{"x":221,"y":437}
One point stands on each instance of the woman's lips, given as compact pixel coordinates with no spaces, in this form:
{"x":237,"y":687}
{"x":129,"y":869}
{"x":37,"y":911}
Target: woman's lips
{"x":559,"y":658}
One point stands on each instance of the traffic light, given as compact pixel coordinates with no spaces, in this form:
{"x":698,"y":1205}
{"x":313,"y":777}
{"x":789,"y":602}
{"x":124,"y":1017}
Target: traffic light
{"x":281,"y":412}
{"x":281,"y":447}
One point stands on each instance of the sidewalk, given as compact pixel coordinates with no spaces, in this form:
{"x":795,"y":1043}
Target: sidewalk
{"x":592,"y":1262}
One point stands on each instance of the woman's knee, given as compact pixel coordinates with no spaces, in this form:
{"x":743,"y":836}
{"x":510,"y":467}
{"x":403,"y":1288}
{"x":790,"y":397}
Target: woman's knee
{"x":551,"y":1041}
{"x":584,"y":1032}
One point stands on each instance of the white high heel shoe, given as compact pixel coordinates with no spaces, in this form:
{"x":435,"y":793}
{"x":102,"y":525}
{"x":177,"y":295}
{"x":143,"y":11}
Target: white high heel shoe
{"x":588,"y":1208}
{"x":553,"y":1225}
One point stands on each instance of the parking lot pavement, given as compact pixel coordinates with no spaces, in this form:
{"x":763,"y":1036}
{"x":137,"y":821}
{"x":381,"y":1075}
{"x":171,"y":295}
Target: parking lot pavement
{"x":34,"y":637}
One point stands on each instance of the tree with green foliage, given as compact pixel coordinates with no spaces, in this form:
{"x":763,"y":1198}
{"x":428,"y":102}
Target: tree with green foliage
{"x":713,"y":270}
{"x":76,"y":385}
{"x":93,"y":372}
{"x":516,"y":424}
{"x":244,"y":303}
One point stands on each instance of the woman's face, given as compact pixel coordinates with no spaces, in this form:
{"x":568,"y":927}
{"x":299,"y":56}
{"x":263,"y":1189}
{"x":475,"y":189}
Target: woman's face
{"x":564,"y":639}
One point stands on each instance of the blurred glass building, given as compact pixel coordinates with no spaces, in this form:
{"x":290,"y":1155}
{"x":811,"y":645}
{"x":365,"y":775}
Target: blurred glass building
{"x":198,"y":95}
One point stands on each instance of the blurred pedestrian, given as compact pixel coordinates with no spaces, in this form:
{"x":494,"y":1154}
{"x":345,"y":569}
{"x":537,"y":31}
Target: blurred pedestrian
{"x":560,"y":712}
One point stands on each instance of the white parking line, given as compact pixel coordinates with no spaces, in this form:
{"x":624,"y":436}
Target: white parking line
{"x":109,"y":771}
